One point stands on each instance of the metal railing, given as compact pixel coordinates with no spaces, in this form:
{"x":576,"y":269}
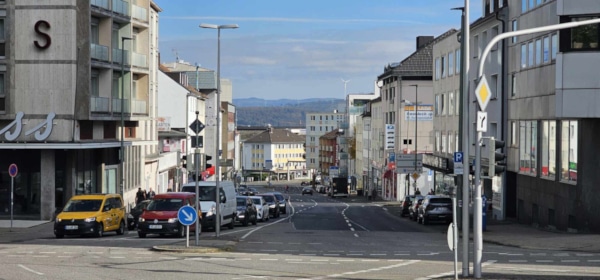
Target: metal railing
{"x":121,"y":7}
{"x":139,"y":60}
{"x":100,"y":104}
{"x":100,"y":3}
{"x":139,"y":13}
{"x":139,"y":107}
{"x":116,"y":56}
{"x":99,"y":52}
{"x":116,"y":105}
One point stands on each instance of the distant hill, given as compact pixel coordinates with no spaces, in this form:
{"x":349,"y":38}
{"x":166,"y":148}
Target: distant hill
{"x":282,"y":112}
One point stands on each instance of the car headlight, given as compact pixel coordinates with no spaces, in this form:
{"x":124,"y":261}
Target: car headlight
{"x":92,"y":219}
{"x":172,"y":220}
{"x":58,"y":220}
{"x":272,"y":206}
{"x":141,"y":220}
{"x":129,"y":216}
{"x":211,"y":211}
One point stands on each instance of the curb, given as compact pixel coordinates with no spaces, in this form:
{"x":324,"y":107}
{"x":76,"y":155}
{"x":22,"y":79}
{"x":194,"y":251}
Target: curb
{"x":229,"y":245}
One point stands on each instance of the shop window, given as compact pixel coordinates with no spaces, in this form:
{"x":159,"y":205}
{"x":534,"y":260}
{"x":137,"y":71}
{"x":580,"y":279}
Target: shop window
{"x":569,"y":139}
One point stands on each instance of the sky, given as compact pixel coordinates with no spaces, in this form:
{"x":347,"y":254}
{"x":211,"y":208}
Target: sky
{"x":299,"y":49}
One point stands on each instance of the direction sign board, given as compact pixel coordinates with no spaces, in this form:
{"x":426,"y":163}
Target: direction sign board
{"x":458,"y":165}
{"x":483,"y":93}
{"x":187,"y":215}
{"x":13,"y":170}
{"x":334,"y":171}
{"x":196,"y":126}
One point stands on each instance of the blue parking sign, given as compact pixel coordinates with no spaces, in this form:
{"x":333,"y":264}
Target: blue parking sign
{"x":458,"y":156}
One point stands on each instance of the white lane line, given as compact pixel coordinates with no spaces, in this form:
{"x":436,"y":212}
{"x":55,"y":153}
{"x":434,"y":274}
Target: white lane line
{"x":115,"y":257}
{"x":268,"y":259}
{"x":355,"y":235}
{"x":30,"y":270}
{"x":167,"y":258}
{"x":293,"y":260}
{"x":315,"y":243}
{"x":39,"y":256}
{"x":354,"y":254}
{"x":449,"y":273}
{"x":544,"y":261}
{"x":584,"y":255}
{"x":517,"y":261}
{"x":593,"y":260}
{"x":331,"y":255}
{"x":47,"y":252}
{"x":569,"y":261}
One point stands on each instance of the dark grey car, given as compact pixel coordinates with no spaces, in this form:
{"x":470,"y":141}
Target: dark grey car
{"x":435,"y":208}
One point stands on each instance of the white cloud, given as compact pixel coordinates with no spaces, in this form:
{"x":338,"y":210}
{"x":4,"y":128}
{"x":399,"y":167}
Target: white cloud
{"x":253,"y":60}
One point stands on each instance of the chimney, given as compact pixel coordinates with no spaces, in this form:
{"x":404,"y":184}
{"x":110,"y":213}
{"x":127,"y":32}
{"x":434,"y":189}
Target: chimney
{"x":423,"y":40}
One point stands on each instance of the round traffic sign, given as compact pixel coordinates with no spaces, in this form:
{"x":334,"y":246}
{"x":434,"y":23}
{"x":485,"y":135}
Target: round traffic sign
{"x":13,"y":170}
{"x":187,"y":215}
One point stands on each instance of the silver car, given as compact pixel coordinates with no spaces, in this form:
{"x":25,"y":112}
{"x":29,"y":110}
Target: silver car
{"x":435,"y":208}
{"x":262,"y":208}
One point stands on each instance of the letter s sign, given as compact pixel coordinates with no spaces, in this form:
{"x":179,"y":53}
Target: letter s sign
{"x":45,"y":25}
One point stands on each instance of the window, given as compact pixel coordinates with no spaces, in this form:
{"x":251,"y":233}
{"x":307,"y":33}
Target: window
{"x":493,"y":34}
{"x":514,"y":28}
{"x":2,"y":38}
{"x":568,"y":151}
{"x":513,"y":134}
{"x":523,"y":56}
{"x":585,"y":36}
{"x":457,"y":52}
{"x":549,"y":148}
{"x":476,"y":47}
{"x":451,"y":143}
{"x":437,"y":105}
{"x":2,"y":93}
{"x":95,"y":83}
{"x":538,"y":51}
{"x":444,"y":143}
{"x":437,"y":141}
{"x":442,"y":104}
{"x":528,"y":147}
{"x":530,"y":53}
{"x":494,"y":86}
{"x":450,"y":103}
{"x":513,"y":85}
{"x":523,"y":6}
{"x":450,"y":64}
{"x":444,"y":67}
{"x":437,"y":69}
{"x":546,"y":51}
{"x":458,"y":101}
{"x":554,"y":46}
{"x":492,"y":4}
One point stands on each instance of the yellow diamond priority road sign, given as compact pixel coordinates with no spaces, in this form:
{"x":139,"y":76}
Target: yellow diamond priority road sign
{"x":483,"y":93}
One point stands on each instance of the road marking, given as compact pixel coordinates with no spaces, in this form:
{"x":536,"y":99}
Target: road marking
{"x":30,"y":270}
{"x":569,"y":261}
{"x":593,"y":260}
{"x":517,"y":261}
{"x":293,"y":260}
{"x":544,"y":261}
{"x":331,"y":255}
{"x":354,"y":254}
{"x":356,"y":235}
{"x":39,"y":256}
{"x":449,"y":273}
{"x":268,"y":259}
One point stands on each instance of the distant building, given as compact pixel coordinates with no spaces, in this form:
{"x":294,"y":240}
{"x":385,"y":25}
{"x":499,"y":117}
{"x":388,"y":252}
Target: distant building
{"x":318,"y":124}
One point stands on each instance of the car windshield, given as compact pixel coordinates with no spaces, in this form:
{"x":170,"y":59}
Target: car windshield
{"x":83,"y":205}
{"x":241,"y":201}
{"x":441,"y":200}
{"x":205,"y":193}
{"x":280,"y":197}
{"x":256,"y":201}
{"x":165,"y":204}
{"x":269,"y":198}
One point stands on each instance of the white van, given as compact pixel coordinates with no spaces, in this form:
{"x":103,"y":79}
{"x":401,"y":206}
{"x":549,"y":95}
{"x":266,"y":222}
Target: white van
{"x":208,"y":205}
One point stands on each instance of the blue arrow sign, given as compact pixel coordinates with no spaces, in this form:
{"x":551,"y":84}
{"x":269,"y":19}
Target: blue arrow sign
{"x":187,"y":215}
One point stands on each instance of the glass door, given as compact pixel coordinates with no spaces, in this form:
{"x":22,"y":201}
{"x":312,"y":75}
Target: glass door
{"x":110,"y":180}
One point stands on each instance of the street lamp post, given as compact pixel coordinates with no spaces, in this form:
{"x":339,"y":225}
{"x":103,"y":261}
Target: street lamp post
{"x":218,"y":112}
{"x":122,"y":150}
{"x":416,"y":125}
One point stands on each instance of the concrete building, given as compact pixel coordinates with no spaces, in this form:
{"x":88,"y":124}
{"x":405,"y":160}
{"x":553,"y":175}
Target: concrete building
{"x":64,"y":130}
{"x":317,"y":124}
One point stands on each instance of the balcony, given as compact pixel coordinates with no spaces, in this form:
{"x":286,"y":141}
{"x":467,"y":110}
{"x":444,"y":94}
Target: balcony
{"x":116,"y":106}
{"x":100,"y":3}
{"x":139,"y":107}
{"x":121,"y":7}
{"x":100,"y":104}
{"x":140,"y":13}
{"x":139,"y":60}
{"x":99,"y":52}
{"x":116,"y":56}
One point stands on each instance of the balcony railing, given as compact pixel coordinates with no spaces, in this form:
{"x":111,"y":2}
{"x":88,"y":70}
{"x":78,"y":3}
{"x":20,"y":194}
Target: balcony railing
{"x":100,"y":3}
{"x":139,"y":107}
{"x":139,"y":13}
{"x":100,"y":104}
{"x":99,"y":52}
{"x":139,"y":60}
{"x":116,"y":105}
{"x":121,"y":7}
{"x":116,"y":56}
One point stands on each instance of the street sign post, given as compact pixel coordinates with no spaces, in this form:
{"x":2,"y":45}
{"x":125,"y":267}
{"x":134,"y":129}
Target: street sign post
{"x":13,"y":170}
{"x":187,"y":215}
{"x":483,"y":93}
{"x":405,"y":163}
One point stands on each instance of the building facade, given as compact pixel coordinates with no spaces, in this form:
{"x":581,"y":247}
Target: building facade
{"x":317,"y":124}
{"x":92,"y":66}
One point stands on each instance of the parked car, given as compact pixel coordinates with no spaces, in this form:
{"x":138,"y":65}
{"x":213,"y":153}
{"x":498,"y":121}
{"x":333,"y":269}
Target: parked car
{"x":283,"y":201}
{"x":320,"y":188}
{"x":435,"y":208}
{"x":246,"y":211}
{"x":304,"y":183}
{"x":413,"y":210}
{"x":273,"y":204}
{"x":91,"y":214}
{"x":160,"y":217}
{"x":406,"y":203}
{"x":262,"y":208}
{"x":134,"y":214}
{"x":307,"y":190}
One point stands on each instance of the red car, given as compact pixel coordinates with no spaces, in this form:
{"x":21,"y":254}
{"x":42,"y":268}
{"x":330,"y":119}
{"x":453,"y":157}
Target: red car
{"x":160,"y":216}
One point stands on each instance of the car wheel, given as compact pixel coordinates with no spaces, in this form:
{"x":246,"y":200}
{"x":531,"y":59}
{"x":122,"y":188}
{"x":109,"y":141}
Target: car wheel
{"x":424,"y":220}
{"x":121,"y":229}
{"x":59,"y":235}
{"x":99,"y":230}
{"x":246,"y":221}
{"x":255,"y":220}
{"x":232,"y":224}
{"x":141,"y":234}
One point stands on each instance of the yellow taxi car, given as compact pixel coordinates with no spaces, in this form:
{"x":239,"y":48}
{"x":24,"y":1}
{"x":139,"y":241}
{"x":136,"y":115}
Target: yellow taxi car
{"x":91,"y":214}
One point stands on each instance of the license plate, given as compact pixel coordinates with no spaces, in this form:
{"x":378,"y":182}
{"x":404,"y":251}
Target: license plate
{"x":71,"y":227}
{"x":155,"y":226}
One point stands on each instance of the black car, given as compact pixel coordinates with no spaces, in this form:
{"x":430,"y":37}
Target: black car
{"x":406,"y":204}
{"x":273,"y":203}
{"x":134,"y":215}
{"x":246,"y":211}
{"x":282,"y":202}
{"x":307,"y":190}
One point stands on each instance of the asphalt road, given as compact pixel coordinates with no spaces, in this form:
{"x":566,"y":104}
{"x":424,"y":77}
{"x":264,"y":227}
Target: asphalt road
{"x":319,"y":238}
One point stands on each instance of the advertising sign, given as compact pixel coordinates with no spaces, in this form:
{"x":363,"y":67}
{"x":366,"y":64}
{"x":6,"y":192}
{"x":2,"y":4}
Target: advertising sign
{"x":390,"y":137}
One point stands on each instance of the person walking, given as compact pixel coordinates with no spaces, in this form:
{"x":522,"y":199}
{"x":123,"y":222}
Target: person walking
{"x":150,"y":194}
{"x":140,"y":196}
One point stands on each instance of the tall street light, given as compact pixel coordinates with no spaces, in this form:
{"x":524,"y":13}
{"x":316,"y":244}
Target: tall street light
{"x":218,"y":112}
{"x":122,"y":150}
{"x":416,"y":105}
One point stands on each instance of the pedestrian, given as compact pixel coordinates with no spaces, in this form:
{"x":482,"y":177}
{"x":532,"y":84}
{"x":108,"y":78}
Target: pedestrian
{"x":418,"y":192}
{"x":287,"y":188}
{"x":151,"y":194}
{"x":140,"y":196}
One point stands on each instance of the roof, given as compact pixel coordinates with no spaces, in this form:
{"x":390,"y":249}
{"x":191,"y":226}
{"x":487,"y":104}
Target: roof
{"x":419,"y":63}
{"x":171,"y":134}
{"x":276,"y":135}
{"x":330,"y":135}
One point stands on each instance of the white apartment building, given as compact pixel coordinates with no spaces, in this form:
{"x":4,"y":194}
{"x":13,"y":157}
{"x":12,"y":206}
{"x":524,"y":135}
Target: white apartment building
{"x":317,"y":124}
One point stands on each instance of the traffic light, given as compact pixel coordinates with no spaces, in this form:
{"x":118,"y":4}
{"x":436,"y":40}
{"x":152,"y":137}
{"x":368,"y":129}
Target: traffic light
{"x":184,"y":161}
{"x":496,"y":159}
{"x":206,"y":159}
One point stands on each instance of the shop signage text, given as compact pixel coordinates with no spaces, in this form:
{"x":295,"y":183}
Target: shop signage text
{"x":17,"y":124}
{"x":45,"y":25}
